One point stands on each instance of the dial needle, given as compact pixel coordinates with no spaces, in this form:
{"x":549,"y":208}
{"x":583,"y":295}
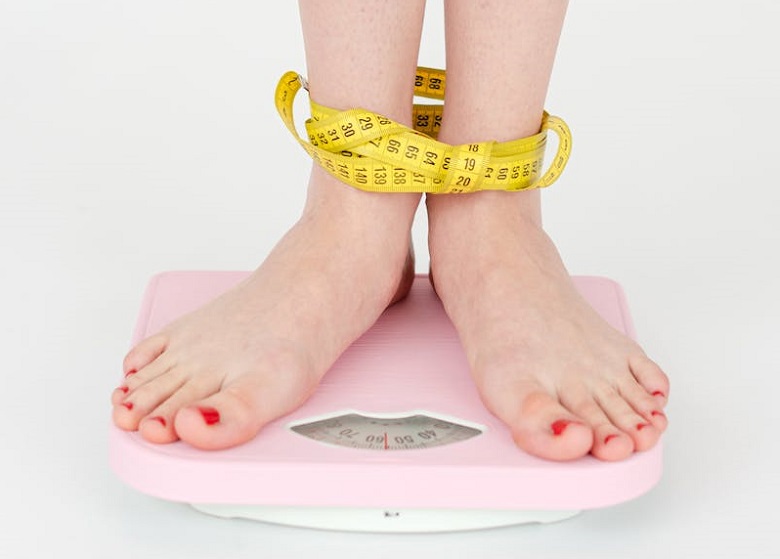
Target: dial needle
{"x":385,"y":440}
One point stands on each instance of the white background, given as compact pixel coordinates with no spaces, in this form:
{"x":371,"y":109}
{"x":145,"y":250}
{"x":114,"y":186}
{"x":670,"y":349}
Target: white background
{"x":141,"y":136}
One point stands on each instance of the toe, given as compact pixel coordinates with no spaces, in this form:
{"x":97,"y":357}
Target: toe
{"x":644,"y":404}
{"x":609,"y":442}
{"x":624,"y":417}
{"x":240,"y":409}
{"x":126,"y":416}
{"x":137,"y":404}
{"x":119,"y":394}
{"x":543,"y":427}
{"x":157,"y":368}
{"x":158,"y":424}
{"x":170,"y":387}
{"x":137,"y":378}
{"x":144,"y":353}
{"x":158,"y":428}
{"x":650,"y":377}
{"x":222,"y":420}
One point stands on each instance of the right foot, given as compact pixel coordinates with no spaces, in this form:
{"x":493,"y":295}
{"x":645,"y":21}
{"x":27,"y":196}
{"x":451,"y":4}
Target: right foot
{"x":214,"y":377}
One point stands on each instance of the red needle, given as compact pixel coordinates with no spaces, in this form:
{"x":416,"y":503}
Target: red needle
{"x":385,"y":440}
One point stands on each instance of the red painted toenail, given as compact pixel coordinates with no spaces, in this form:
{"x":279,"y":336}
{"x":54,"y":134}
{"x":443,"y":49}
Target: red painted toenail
{"x":124,"y":389}
{"x":654,"y":412}
{"x":130,"y":372}
{"x":210,"y":415}
{"x":160,"y":419}
{"x":640,"y":426}
{"x":659,"y":393}
{"x":559,"y":426}
{"x":609,"y":438}
{"x":128,"y":405}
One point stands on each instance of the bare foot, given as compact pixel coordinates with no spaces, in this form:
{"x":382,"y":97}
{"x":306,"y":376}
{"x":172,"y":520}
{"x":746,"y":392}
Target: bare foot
{"x":543,"y":360}
{"x":214,"y":377}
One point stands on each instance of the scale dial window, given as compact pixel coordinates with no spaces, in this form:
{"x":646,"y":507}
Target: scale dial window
{"x":409,"y":432}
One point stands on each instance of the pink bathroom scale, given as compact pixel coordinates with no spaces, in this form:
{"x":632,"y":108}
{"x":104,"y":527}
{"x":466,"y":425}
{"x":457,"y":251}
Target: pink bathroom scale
{"x":395,"y":439}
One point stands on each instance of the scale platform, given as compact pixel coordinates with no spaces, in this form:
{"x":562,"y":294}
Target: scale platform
{"x":395,"y":438}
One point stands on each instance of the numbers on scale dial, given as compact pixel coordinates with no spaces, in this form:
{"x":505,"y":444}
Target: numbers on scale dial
{"x":355,"y":430}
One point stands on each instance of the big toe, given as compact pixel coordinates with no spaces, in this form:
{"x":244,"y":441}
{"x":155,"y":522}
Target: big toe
{"x":236,"y":413}
{"x":220,"y":421}
{"x":543,"y":427}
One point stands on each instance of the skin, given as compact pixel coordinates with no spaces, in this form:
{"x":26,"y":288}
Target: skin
{"x":565,"y":382}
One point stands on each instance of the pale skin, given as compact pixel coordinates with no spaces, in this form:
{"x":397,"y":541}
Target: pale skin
{"x":565,"y":382}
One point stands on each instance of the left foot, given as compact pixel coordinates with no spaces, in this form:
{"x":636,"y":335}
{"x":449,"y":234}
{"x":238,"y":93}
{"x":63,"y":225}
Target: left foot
{"x":545,"y":363}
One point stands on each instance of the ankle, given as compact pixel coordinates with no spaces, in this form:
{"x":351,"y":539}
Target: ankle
{"x":329,"y":196}
{"x":486,"y":206}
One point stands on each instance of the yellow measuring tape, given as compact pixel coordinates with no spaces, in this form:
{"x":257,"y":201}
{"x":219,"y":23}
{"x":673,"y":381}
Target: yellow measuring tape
{"x":374,"y":153}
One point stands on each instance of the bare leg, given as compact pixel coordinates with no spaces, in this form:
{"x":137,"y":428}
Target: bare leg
{"x":544,"y":362}
{"x":216,"y":376}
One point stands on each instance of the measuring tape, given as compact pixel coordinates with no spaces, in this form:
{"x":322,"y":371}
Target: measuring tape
{"x":374,"y":153}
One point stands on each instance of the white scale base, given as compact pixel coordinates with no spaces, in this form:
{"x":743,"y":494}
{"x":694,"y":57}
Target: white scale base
{"x":381,"y":520}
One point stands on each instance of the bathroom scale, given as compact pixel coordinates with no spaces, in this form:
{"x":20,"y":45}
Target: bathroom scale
{"x":395,"y":438}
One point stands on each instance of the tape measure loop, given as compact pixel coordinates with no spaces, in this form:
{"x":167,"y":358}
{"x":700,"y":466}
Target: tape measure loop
{"x":561,"y":129}
{"x":374,"y":153}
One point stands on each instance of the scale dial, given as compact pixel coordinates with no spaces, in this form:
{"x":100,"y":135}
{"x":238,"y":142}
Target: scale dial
{"x":355,"y":430}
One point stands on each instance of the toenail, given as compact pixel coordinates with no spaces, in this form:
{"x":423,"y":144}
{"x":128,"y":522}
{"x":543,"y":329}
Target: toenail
{"x":128,"y":405}
{"x":559,"y":426}
{"x":609,"y":438}
{"x":655,"y":412}
{"x":160,"y":419}
{"x":210,"y":415}
{"x":640,"y":426}
{"x":130,"y":372}
{"x":124,"y":389}
{"x":659,"y":393}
